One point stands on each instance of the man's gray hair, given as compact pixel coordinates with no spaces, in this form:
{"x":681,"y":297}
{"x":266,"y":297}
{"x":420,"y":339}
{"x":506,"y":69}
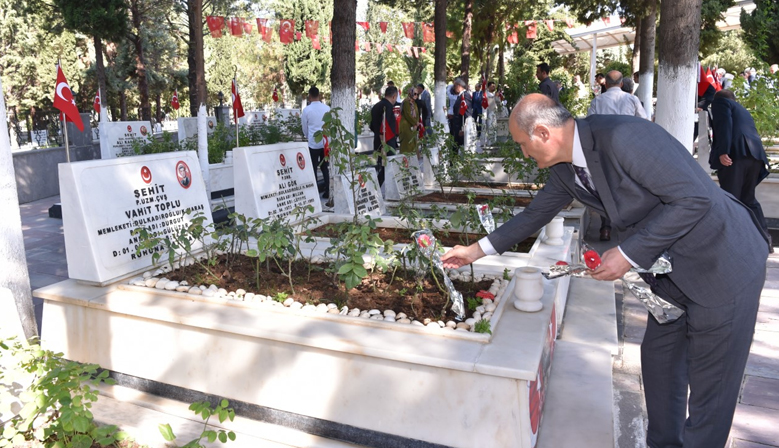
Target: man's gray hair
{"x":459,"y":81}
{"x":548,"y":113}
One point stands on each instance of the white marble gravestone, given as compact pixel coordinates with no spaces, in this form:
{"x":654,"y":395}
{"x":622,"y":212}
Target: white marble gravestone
{"x":403,"y":177}
{"x":188,"y":128}
{"x":253,"y":118}
{"x":103,"y":201}
{"x":283,"y":114}
{"x":120,"y":136}
{"x":272,"y":180}
{"x":471,"y":137}
{"x":368,"y":193}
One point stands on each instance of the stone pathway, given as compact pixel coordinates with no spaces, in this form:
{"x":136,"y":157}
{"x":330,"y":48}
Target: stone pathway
{"x":756,"y":424}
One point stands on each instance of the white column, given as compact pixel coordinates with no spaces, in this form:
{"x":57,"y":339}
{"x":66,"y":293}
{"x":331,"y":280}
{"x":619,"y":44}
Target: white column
{"x":17,"y":316}
{"x":202,"y":147}
{"x":593,"y":59}
{"x":105,"y":149}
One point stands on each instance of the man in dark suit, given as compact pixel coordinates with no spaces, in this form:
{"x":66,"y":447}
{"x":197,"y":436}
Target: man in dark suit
{"x":660,"y":200}
{"x":384,"y":127}
{"x":737,"y":153}
{"x":460,"y":88}
{"x":424,"y":96}
{"x":547,"y":86}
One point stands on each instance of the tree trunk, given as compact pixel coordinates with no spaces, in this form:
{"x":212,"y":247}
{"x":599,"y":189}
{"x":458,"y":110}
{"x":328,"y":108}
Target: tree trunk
{"x":140,"y":62}
{"x":123,"y":105}
{"x":439,"y":71}
{"x":680,"y":25}
{"x":158,"y":100}
{"x":646,"y":66}
{"x":195,"y":59}
{"x":100,"y":68}
{"x":19,"y":315}
{"x":501,"y":66}
{"x":342,"y":74}
{"x":465,"y":64}
{"x":636,"y":48}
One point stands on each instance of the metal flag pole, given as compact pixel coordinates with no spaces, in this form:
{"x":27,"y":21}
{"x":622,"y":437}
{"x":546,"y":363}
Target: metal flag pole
{"x":65,"y":126}
{"x":235,"y":111}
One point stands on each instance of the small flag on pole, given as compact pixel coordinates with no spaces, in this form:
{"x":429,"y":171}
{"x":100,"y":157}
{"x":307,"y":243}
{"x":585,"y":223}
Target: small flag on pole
{"x":63,"y":100}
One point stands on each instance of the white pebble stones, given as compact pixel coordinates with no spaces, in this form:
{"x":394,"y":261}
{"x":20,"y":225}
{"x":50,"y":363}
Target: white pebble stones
{"x":154,"y":280}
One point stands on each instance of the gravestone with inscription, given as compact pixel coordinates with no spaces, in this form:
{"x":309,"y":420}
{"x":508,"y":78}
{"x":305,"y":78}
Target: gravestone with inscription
{"x":283,"y":114}
{"x":367,"y":192}
{"x":103,"y":201}
{"x":120,"y":136}
{"x":253,"y":119}
{"x":273,"y":180}
{"x":188,"y":128}
{"x":403,"y":177}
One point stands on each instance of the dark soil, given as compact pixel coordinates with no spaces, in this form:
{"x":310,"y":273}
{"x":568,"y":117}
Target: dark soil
{"x":403,"y":236}
{"x":462,"y":198}
{"x":377,"y":291}
{"x":514,"y":186}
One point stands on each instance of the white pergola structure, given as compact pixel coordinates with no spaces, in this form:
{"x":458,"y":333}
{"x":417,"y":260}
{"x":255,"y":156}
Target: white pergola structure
{"x":610,"y":33}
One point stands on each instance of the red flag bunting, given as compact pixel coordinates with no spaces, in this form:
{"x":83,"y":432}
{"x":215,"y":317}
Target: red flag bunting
{"x":265,"y":31}
{"x":569,"y":22}
{"x":215,"y":25}
{"x":365,"y":25}
{"x":236,"y":29}
{"x":428,"y":32}
{"x":366,"y":46}
{"x":513,"y":37}
{"x":247,"y":26}
{"x":275,"y":95}
{"x":298,"y":35}
{"x":315,"y":43}
{"x":415,"y":50}
{"x":96,"y":103}
{"x":408,"y":29}
{"x":356,"y":46}
{"x":531,"y":29}
{"x":312,"y":29}
{"x":450,"y":34}
{"x":606,"y":20}
{"x":389,"y":47}
{"x":63,"y":100}
{"x":174,"y":102}
{"x":383,"y":27}
{"x":549,"y":24}
{"x":286,"y":31}
{"x":379,"y":48}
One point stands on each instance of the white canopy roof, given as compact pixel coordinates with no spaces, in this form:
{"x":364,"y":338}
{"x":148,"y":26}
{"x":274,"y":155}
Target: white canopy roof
{"x":614,"y":34}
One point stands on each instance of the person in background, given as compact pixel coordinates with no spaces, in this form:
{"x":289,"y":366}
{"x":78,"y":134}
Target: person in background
{"x":460,"y":89}
{"x":627,"y":85}
{"x":312,"y":120}
{"x":409,"y":122}
{"x":636,"y":77}
{"x":423,"y":95}
{"x":385,"y":128}
{"x":737,"y":152}
{"x":547,"y":86}
{"x":581,"y":89}
{"x":600,"y":84}
{"x":477,"y":108}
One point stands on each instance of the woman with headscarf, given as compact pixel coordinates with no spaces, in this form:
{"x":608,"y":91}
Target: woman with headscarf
{"x":409,"y":120}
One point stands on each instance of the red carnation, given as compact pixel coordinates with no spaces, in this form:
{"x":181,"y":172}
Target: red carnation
{"x":485,"y":295}
{"x":592,"y":259}
{"x":561,"y":263}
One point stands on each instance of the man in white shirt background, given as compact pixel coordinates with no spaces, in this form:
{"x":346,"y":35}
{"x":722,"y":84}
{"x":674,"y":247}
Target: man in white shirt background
{"x":312,"y":120}
{"x":614,"y":101}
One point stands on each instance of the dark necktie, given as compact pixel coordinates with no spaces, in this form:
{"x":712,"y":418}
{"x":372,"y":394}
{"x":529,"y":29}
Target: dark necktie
{"x":585,"y":179}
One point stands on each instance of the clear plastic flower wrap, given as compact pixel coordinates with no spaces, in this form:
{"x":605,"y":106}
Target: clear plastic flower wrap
{"x":660,"y":308}
{"x":485,"y":216}
{"x":427,"y":243}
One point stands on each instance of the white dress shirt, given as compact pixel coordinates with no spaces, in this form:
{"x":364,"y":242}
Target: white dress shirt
{"x":616,"y":102}
{"x":312,"y":120}
{"x":578,"y":160}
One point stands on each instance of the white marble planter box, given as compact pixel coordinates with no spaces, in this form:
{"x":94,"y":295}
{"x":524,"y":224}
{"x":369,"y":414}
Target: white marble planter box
{"x":460,"y":392}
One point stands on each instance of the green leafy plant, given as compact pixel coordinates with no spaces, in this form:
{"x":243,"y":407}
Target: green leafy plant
{"x":482,"y":326}
{"x":473,"y":303}
{"x":56,"y":404}
{"x":506,"y":274}
{"x":348,"y":249}
{"x":204,"y":410}
{"x":281,"y":297}
{"x":154,"y":146}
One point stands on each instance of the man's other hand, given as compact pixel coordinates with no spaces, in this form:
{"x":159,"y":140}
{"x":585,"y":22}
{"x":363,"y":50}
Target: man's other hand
{"x":613,"y":266}
{"x":725,"y":160}
{"x":462,"y":255}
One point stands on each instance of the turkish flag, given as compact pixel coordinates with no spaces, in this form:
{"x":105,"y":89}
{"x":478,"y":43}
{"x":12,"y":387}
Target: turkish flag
{"x":174,"y":102}
{"x":463,"y":105}
{"x":712,"y":80}
{"x":484,"y":102}
{"x":63,"y":100}
{"x":386,"y":131}
{"x":315,"y":43}
{"x":383,"y":27}
{"x":356,"y":46}
{"x":236,"y":28}
{"x":275,"y":96}
{"x":531,"y":29}
{"x":264,"y":30}
{"x":408,"y":29}
{"x":389,"y":48}
{"x":365,"y":25}
{"x":96,"y":103}
{"x":366,"y":46}
{"x":428,"y":32}
{"x":549,"y":24}
{"x":237,"y":106}
{"x":286,"y":31}
{"x":513,"y":37}
{"x":379,"y":48}
{"x":247,"y":26}
{"x":215,"y":25}
{"x":421,"y":128}
{"x":312,"y":29}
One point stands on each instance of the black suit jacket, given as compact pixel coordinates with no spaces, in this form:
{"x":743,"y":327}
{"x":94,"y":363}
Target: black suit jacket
{"x":735,"y":134}
{"x":383,"y":110}
{"x":660,"y":199}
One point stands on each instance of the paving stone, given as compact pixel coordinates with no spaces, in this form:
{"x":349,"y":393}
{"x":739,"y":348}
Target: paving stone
{"x":762,"y":392}
{"x":629,"y":419}
{"x":755,"y":424}
{"x":38,"y":280}
{"x":764,"y":355}
{"x":627,"y":382}
{"x":737,"y":443}
{"x":45,"y":267}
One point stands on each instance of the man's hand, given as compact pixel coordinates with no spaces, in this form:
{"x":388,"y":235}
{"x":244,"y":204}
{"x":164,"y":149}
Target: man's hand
{"x":461,"y":255}
{"x":613,"y":266}
{"x":725,"y":160}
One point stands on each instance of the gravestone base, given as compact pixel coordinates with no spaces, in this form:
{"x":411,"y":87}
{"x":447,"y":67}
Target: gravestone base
{"x":368,"y":195}
{"x":403,"y":177}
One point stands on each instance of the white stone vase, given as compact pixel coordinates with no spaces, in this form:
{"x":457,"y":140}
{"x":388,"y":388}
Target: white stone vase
{"x":554,"y":232}
{"x":528,"y":289}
